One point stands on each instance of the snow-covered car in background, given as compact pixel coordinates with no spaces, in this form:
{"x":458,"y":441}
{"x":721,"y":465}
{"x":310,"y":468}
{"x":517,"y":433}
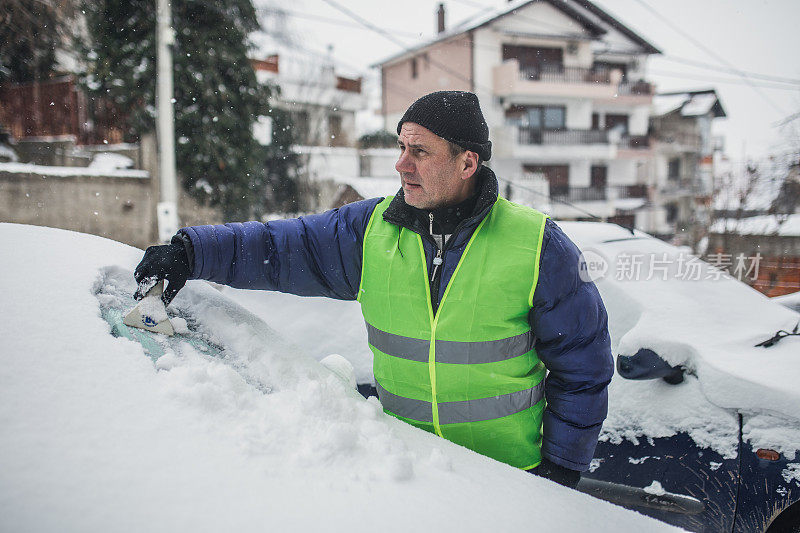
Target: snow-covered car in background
{"x":725,"y":433}
{"x":223,"y":427}
{"x":704,"y":411}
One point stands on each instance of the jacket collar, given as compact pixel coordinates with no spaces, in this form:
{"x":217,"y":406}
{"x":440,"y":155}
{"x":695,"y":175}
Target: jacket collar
{"x":401,"y":214}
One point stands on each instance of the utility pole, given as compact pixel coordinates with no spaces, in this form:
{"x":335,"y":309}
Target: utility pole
{"x":167,"y":208}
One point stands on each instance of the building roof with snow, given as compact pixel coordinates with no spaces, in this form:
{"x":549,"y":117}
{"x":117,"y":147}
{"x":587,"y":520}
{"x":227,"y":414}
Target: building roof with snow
{"x":689,"y":103}
{"x":596,"y":22}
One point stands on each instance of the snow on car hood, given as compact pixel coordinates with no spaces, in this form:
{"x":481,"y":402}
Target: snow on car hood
{"x":692,"y":316}
{"x":96,"y":437}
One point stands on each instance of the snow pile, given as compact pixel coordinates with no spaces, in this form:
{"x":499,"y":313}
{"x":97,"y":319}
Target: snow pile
{"x":655,"y":488}
{"x":110,"y":161}
{"x":708,"y":323}
{"x":45,"y":170}
{"x":96,"y":437}
{"x":699,"y":104}
{"x":7,"y":153}
{"x":792,"y":301}
{"x":783,"y":225}
{"x":318,"y":326}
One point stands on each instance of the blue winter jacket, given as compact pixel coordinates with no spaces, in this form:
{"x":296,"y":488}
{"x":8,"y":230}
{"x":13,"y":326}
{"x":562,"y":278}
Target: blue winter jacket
{"x":321,"y":255}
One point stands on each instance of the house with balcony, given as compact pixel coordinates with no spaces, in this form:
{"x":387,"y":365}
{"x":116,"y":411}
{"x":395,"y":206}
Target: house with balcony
{"x":683,"y":161}
{"x":564,"y":90}
{"x":322,"y":102}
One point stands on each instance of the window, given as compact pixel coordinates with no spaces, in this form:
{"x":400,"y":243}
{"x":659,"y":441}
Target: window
{"x":537,"y":117}
{"x":556,"y":175}
{"x":617,"y":122}
{"x":599,"y":176}
{"x":414,"y":68}
{"x":674,"y":168}
{"x":300,"y":126}
{"x":554,"y":118}
{"x":335,"y":137}
{"x":672,"y":213}
{"x":534,"y":61}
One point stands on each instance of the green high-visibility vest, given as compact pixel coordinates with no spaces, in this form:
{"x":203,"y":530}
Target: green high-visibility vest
{"x":469,"y":372}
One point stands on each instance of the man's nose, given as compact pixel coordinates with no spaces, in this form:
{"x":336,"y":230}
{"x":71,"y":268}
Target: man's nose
{"x":404,"y":163}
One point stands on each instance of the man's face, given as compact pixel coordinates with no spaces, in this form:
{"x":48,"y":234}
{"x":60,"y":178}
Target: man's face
{"x":430,"y":175}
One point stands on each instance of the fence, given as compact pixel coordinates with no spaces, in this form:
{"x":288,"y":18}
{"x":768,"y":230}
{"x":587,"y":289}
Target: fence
{"x":56,"y":108}
{"x":537,"y":136}
{"x":561,"y":74}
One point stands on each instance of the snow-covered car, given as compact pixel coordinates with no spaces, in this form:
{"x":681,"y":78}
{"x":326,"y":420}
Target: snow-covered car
{"x":222,"y":427}
{"x":709,"y":409}
{"x":725,"y":433}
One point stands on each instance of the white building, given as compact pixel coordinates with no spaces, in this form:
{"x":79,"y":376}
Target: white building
{"x":323,"y":104}
{"x":683,"y":163}
{"x":563,"y":88}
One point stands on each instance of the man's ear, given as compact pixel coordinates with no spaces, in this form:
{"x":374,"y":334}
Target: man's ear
{"x":470,"y":165}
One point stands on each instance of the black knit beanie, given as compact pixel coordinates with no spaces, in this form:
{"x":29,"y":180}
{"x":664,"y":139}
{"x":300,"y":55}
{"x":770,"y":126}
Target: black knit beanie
{"x":454,"y":116}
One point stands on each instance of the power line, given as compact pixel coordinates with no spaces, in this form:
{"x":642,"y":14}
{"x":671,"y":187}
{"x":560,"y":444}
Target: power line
{"x":734,"y":81}
{"x":549,"y":198}
{"x":390,"y":37}
{"x":709,"y":66}
{"x":710,"y":52}
{"x":319,"y":18}
{"x":699,"y":64}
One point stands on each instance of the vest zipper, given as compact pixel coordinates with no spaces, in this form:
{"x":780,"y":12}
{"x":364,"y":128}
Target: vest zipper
{"x":438,"y":259}
{"x":437,"y":262}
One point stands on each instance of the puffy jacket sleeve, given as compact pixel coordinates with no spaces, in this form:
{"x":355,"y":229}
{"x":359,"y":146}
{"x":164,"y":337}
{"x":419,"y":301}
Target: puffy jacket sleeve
{"x":572,"y":340}
{"x":316,"y":255}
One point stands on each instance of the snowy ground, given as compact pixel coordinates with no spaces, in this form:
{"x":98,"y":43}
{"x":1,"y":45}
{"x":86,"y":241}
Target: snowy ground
{"x":98,"y":437}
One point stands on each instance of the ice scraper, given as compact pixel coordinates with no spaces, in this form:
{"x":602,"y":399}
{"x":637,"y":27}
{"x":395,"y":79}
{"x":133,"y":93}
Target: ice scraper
{"x":151,"y":313}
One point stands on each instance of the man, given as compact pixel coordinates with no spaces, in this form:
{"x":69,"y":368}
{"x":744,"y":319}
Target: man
{"x":467,"y":297}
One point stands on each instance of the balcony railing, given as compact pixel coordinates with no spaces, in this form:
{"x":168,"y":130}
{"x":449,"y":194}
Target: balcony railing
{"x":561,"y":74}
{"x":691,"y":141}
{"x":634,"y":142}
{"x":635,"y":88}
{"x":562,"y":137}
{"x":578,"y":194}
{"x":630,"y":191}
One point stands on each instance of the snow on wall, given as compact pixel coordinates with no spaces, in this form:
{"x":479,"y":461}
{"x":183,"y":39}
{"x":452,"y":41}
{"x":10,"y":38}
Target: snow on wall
{"x":103,"y":170}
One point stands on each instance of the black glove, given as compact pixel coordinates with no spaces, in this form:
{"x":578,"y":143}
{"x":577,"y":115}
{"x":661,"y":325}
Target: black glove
{"x":560,"y":474}
{"x":169,"y":262}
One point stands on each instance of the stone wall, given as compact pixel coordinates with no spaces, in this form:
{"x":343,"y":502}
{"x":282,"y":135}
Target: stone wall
{"x":117,"y":207}
{"x":121,"y":207}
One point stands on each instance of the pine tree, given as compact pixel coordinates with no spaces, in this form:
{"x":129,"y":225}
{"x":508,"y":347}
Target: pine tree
{"x":217,"y":96}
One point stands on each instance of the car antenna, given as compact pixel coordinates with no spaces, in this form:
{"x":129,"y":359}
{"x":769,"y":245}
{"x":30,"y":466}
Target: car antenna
{"x":630,"y":228}
{"x":779,"y":335}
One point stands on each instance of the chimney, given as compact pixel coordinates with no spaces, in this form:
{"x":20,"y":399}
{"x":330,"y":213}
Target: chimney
{"x":440,"y":19}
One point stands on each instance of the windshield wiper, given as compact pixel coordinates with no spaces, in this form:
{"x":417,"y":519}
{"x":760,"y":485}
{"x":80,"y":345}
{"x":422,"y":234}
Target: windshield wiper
{"x":779,"y":335}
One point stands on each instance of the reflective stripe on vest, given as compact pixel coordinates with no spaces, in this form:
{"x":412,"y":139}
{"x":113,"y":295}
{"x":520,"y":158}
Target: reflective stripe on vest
{"x":450,"y":351}
{"x":468,"y":372}
{"x":461,"y":412}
